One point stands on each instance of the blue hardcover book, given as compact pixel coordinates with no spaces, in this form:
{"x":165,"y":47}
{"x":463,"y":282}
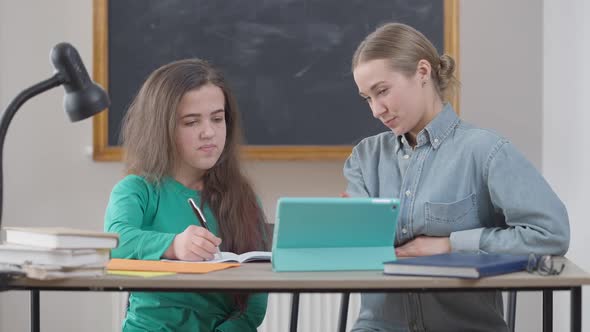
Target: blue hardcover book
{"x":458,"y":264}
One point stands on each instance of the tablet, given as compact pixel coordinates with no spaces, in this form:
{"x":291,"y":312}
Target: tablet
{"x":331,"y":234}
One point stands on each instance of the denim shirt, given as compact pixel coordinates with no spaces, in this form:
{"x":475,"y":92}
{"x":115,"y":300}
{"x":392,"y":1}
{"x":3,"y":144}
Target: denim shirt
{"x":465,"y":183}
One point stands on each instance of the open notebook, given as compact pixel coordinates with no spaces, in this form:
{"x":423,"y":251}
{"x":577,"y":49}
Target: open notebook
{"x":250,"y":256}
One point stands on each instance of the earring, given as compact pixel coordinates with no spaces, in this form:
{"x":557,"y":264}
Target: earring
{"x":423,"y":83}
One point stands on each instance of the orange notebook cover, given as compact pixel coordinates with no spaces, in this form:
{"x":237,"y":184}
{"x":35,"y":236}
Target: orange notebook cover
{"x":161,"y":266}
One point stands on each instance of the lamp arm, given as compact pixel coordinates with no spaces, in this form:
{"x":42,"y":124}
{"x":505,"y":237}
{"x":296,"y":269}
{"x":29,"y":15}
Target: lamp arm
{"x":56,"y":80}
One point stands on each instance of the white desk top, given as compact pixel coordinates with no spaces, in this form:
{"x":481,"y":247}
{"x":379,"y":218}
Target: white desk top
{"x":259,"y":277}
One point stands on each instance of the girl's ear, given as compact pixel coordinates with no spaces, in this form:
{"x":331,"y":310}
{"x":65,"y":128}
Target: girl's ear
{"x":423,"y":70}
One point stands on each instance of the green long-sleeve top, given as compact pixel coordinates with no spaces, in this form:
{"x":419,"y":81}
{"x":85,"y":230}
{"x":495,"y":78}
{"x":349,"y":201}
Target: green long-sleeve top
{"x":147,"y":217}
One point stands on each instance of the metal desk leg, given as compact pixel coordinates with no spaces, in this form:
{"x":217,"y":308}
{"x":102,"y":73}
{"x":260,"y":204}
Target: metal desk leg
{"x":511,"y":312}
{"x":547,"y":311}
{"x":344,"y":301}
{"x":35,"y":311}
{"x":576,"y":309}
{"x":294,"y":312}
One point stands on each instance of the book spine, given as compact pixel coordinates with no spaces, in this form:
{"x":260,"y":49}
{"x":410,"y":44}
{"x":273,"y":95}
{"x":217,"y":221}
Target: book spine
{"x":501,"y":269}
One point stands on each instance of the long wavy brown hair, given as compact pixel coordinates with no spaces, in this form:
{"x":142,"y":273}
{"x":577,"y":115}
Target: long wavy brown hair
{"x":148,"y":136}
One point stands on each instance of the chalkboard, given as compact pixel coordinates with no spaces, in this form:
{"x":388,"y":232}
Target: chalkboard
{"x":287,"y":61}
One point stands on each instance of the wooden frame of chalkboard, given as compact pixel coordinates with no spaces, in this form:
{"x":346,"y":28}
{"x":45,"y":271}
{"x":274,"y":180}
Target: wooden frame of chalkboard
{"x":105,"y":150}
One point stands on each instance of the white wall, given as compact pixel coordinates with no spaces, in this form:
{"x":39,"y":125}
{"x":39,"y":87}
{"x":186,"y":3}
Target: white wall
{"x":49,"y":180}
{"x":566,"y":157}
{"x":501,"y":75}
{"x":46,"y":159}
{"x":501,"y":69}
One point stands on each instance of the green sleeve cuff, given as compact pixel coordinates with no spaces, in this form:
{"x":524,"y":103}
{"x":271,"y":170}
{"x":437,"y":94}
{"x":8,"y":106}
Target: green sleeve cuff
{"x":154,"y":245}
{"x":138,"y":244}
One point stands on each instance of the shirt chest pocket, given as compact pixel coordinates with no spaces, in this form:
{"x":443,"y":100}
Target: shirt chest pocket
{"x":444,"y":218}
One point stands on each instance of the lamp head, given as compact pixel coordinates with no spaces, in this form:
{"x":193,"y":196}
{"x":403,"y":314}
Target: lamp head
{"x":83,"y":97}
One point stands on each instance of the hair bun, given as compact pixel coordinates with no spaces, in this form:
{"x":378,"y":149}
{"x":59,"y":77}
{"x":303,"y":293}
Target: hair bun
{"x":446,"y":69}
{"x":446,"y":66}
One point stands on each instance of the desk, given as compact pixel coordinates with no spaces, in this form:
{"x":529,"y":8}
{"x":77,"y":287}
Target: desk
{"x":257,"y":277}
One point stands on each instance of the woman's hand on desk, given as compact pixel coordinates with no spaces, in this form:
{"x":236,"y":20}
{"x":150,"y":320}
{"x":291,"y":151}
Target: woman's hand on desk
{"x":424,"y":246}
{"x":194,"y":244}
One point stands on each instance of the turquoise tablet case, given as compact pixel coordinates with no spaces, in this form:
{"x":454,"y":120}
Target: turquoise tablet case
{"x":334,"y":234}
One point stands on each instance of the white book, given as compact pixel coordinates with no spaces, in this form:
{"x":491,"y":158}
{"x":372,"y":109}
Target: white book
{"x":61,"y":238}
{"x":20,"y":255}
{"x":46,"y":272}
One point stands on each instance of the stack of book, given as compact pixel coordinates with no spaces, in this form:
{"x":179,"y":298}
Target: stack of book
{"x":56,"y":252}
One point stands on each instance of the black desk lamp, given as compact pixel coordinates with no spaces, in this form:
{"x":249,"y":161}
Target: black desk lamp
{"x":83,"y":98}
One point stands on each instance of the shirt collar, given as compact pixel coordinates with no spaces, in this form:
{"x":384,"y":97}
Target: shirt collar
{"x":436,"y":131}
{"x":441,"y":126}
{"x":398,"y":143}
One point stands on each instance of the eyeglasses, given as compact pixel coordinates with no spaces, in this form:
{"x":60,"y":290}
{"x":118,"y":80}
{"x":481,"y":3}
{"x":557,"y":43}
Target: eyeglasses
{"x":544,"y":265}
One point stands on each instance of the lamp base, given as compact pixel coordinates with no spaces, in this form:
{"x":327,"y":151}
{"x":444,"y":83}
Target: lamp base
{"x":7,"y":275}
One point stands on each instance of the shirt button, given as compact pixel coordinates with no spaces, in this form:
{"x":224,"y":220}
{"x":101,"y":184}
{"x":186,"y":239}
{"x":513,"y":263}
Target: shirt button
{"x":408,"y":193}
{"x":406,"y":156}
{"x":436,"y":140}
{"x":404,"y":230}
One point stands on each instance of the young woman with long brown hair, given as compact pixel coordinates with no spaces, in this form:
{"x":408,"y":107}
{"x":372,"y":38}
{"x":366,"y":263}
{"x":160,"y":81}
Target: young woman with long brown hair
{"x":182,"y":138}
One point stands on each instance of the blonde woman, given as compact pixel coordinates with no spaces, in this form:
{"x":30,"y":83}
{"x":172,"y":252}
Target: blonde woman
{"x":182,"y":139}
{"x":461,"y":188}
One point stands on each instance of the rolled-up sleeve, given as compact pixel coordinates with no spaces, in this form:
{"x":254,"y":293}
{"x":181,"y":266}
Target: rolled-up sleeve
{"x":536,"y":220}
